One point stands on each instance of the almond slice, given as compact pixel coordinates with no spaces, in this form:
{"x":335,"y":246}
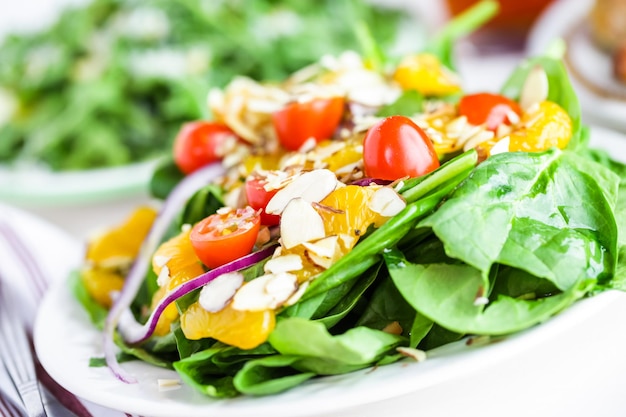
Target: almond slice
{"x":266,"y":292}
{"x":300,"y":223}
{"x":164,"y":276}
{"x":285,"y":263}
{"x":386,"y":202}
{"x":325,"y":247}
{"x":535,"y":88}
{"x":216,"y":294}
{"x":418,"y":355}
{"x":311,"y":186}
{"x":501,"y":146}
{"x":295,"y":297}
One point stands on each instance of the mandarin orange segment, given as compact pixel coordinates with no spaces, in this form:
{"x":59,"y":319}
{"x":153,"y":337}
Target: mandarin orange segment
{"x":182,"y":264}
{"x":242,"y":329}
{"x":180,"y":258}
{"x":543,"y":127}
{"x":169,"y":316}
{"x":266,"y":162}
{"x":425,"y":74}
{"x":348,"y":213}
{"x":351,"y":153}
{"x":124,"y":241}
{"x":101,"y":283}
{"x":309,"y":269}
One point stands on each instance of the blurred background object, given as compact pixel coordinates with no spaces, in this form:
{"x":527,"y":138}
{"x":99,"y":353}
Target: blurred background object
{"x":592,"y":33}
{"x":509,"y":29}
{"x":108,"y":82}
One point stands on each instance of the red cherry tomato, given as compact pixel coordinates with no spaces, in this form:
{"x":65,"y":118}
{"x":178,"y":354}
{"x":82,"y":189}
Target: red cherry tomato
{"x":198,"y":144}
{"x":489,"y":109}
{"x":395,"y":148}
{"x":316,"y":119}
{"x":258,"y":197}
{"x":224,"y":237}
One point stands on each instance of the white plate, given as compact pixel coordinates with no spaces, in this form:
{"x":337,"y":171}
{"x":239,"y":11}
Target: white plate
{"x":602,"y":97}
{"x":44,"y":188}
{"x":538,"y":368}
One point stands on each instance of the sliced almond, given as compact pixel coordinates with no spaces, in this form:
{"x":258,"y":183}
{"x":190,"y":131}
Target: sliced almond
{"x":477,"y":139}
{"x":166,"y":384}
{"x":321,"y":261}
{"x":285,"y":263}
{"x":295,"y":297}
{"x":216,"y":294}
{"x":456,"y":127}
{"x":386,"y":202}
{"x":393,"y":328}
{"x":504,"y":129}
{"x":164,"y":276}
{"x":418,"y":355}
{"x":300,"y":223}
{"x":501,"y":146}
{"x":347,"y":240}
{"x":266,"y":292}
{"x":311,"y":186}
{"x":281,"y":287}
{"x":160,"y":260}
{"x":468,"y":133}
{"x":324,"y":247}
{"x":535,"y":88}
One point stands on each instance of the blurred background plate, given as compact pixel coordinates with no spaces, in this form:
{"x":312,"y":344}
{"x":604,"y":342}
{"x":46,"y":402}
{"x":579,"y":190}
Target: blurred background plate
{"x":34,"y":187}
{"x":90,"y":92}
{"x":602,"y":96}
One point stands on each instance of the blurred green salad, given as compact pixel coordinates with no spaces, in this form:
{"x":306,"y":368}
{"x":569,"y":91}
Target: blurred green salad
{"x":111,"y":82}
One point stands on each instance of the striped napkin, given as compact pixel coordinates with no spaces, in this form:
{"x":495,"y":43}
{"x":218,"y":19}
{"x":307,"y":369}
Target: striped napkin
{"x":33,"y":255}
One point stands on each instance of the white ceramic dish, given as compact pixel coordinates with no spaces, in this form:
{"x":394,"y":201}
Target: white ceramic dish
{"x":602,"y":97}
{"x":451,"y":380}
{"x":43,"y":188}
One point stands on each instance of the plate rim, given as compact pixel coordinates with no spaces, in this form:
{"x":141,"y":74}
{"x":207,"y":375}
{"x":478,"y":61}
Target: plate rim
{"x":48,"y":188}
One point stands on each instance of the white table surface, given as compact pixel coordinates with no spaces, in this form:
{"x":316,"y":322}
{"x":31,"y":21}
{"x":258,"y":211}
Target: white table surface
{"x":579,"y":373}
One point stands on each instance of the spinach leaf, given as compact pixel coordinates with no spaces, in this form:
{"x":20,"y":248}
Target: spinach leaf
{"x":187,"y":347}
{"x":447,"y":293}
{"x":269,"y":375}
{"x":387,"y":306}
{"x":164,"y":178}
{"x":408,"y":104}
{"x":204,"y":202}
{"x":97,"y":313}
{"x":211,"y":371}
{"x":350,"y":299}
{"x":324,"y":354}
{"x":525,"y":210}
{"x":420,"y":329}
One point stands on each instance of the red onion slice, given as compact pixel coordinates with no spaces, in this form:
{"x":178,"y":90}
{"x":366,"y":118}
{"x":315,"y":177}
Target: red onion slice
{"x":179,"y":195}
{"x":364,"y":182}
{"x":133,"y":332}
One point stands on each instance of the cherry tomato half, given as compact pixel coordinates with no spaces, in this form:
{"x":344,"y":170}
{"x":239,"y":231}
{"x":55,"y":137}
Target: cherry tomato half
{"x":489,"y":109}
{"x":198,"y":144}
{"x":258,"y":197}
{"x":395,"y":148}
{"x":316,"y":119}
{"x":224,"y":237}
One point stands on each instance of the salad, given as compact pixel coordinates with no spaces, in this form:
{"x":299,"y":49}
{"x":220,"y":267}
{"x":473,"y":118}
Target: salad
{"x":361,"y":212}
{"x":109,"y":82}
